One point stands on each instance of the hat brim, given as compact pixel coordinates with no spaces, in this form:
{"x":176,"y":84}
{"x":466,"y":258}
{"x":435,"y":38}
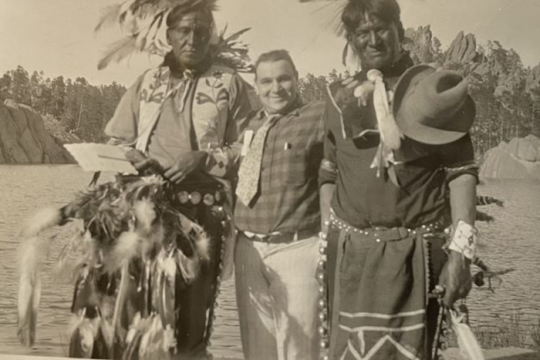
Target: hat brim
{"x":436,"y":136}
{"x":415,"y":129}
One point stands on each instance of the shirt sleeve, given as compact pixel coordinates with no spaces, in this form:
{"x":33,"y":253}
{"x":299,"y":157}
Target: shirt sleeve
{"x":328,"y":168}
{"x":223,"y":161}
{"x":457,"y":158}
{"x":122,"y":128}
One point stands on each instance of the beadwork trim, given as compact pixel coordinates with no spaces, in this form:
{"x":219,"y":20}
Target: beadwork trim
{"x":212,"y":312}
{"x":323,"y":306}
{"x":372,"y":231}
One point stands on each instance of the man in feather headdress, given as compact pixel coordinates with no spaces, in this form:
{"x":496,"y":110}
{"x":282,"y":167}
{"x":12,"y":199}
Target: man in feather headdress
{"x":398,"y":169}
{"x":185,"y":115}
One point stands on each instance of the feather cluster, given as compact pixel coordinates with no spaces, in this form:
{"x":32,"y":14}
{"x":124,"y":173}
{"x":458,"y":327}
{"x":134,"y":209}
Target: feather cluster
{"x":127,"y":235}
{"x":143,"y":21}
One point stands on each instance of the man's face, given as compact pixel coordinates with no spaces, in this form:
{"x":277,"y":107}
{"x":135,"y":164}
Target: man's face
{"x":376,"y":42}
{"x":190,"y":38}
{"x":277,"y":84}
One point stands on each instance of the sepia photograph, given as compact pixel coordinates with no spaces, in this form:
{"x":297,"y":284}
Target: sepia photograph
{"x":270,"y":179}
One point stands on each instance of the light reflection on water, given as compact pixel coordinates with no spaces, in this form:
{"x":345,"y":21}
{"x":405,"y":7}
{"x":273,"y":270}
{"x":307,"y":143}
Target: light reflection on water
{"x":513,"y":240}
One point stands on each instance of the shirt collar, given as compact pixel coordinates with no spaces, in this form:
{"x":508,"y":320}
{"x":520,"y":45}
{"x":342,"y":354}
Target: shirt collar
{"x":294,"y":110}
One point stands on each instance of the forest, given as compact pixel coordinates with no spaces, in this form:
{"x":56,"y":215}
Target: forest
{"x":506,"y":93}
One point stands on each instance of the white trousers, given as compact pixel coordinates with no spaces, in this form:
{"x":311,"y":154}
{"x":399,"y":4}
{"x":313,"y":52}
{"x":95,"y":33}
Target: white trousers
{"x":277,"y":295}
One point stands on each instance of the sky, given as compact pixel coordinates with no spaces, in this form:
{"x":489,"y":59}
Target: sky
{"x":57,"y":36}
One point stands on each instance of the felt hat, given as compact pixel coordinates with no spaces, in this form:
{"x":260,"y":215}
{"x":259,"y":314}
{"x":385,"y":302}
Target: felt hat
{"x":433,"y":107}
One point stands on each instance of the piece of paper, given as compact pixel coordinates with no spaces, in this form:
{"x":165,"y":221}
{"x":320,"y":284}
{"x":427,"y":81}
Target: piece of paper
{"x":101,"y":157}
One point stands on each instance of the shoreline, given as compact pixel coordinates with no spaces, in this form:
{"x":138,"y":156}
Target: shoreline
{"x":449,"y":354}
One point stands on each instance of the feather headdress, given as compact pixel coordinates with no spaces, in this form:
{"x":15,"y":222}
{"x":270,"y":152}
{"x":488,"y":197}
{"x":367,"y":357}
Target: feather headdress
{"x":144,"y":21}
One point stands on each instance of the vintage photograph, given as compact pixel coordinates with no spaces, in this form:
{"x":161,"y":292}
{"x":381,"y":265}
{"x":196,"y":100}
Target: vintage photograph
{"x":270,"y":179}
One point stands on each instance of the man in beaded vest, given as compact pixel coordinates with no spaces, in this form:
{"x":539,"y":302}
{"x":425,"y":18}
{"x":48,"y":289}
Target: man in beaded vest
{"x":185,"y":116}
{"x":389,"y":187}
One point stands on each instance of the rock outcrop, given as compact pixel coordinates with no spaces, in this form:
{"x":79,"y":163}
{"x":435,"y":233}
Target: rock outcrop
{"x":518,"y":159}
{"x":462,"y":50}
{"x":533,"y":79}
{"x":419,"y":44}
{"x":24,"y":138}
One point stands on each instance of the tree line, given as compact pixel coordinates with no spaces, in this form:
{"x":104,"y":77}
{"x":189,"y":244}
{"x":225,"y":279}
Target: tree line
{"x":507,"y":94}
{"x":80,"y":108}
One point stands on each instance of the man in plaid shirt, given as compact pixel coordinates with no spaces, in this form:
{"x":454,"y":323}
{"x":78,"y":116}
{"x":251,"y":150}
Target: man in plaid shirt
{"x":278,"y":219}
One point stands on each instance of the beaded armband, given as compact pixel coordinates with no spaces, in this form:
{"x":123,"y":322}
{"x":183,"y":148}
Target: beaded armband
{"x":329,"y":166}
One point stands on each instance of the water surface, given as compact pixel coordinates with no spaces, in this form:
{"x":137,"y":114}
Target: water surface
{"x":513,"y":240}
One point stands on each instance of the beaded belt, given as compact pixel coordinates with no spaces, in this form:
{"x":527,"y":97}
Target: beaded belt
{"x":195,"y":197}
{"x":381,"y":233}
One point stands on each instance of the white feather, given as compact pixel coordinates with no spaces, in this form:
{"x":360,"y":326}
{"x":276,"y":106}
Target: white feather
{"x":126,"y":247}
{"x":120,"y":297}
{"x":107,"y":331}
{"x":133,"y":328}
{"x":145,"y":214}
{"x":32,"y":253}
{"x":188,"y":267}
{"x":203,"y":245}
{"x":468,"y":345}
{"x":41,"y":220}
{"x":88,"y":331}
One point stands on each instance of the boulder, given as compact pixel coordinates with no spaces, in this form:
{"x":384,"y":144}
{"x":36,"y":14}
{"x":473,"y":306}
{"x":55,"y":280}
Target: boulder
{"x":518,"y":159}
{"x":24,"y":139}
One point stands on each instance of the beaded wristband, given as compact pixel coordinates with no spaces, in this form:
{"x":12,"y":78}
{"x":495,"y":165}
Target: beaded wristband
{"x":464,"y":239}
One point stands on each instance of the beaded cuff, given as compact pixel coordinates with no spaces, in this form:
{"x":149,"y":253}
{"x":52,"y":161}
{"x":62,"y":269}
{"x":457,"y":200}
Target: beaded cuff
{"x":464,"y":239}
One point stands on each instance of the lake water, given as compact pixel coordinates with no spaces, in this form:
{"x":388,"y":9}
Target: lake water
{"x":513,"y":240}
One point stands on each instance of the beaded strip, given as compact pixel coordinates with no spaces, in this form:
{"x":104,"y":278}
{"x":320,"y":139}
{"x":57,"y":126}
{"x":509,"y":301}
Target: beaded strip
{"x":212,"y":313}
{"x":323,"y":306}
{"x":341,"y":225}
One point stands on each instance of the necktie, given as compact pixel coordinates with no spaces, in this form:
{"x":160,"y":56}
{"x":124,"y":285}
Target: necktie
{"x":250,"y":169}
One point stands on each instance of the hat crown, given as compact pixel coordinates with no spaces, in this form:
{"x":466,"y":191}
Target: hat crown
{"x":433,"y":106}
{"x":440,"y":95}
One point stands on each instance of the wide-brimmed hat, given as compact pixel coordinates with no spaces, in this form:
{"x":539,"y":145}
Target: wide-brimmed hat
{"x":433,"y":107}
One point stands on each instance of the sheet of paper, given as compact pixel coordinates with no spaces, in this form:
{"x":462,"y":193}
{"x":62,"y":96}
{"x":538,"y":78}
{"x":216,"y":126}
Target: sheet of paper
{"x":101,"y":157}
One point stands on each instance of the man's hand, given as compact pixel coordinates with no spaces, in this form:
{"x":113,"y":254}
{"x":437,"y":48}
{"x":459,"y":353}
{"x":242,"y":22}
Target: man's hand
{"x":140,"y":161}
{"x":184,"y":165}
{"x":456,"y":278}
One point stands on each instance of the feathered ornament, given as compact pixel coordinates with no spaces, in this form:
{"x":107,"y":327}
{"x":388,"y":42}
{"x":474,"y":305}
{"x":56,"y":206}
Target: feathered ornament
{"x":128,"y":247}
{"x":143,"y":21}
{"x":468,"y":345}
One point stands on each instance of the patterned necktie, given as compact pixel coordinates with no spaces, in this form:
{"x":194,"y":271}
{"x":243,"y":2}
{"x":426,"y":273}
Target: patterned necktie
{"x":250,"y":169}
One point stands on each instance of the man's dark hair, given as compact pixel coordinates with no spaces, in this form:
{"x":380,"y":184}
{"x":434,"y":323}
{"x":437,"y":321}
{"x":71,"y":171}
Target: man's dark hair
{"x":178,"y":12}
{"x":273,"y":56}
{"x":386,"y":10}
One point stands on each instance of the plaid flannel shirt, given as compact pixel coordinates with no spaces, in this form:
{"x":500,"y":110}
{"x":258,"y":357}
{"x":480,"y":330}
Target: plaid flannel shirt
{"x":287,"y":200}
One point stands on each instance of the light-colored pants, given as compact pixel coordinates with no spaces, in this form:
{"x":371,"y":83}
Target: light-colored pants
{"x":277,"y":295}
